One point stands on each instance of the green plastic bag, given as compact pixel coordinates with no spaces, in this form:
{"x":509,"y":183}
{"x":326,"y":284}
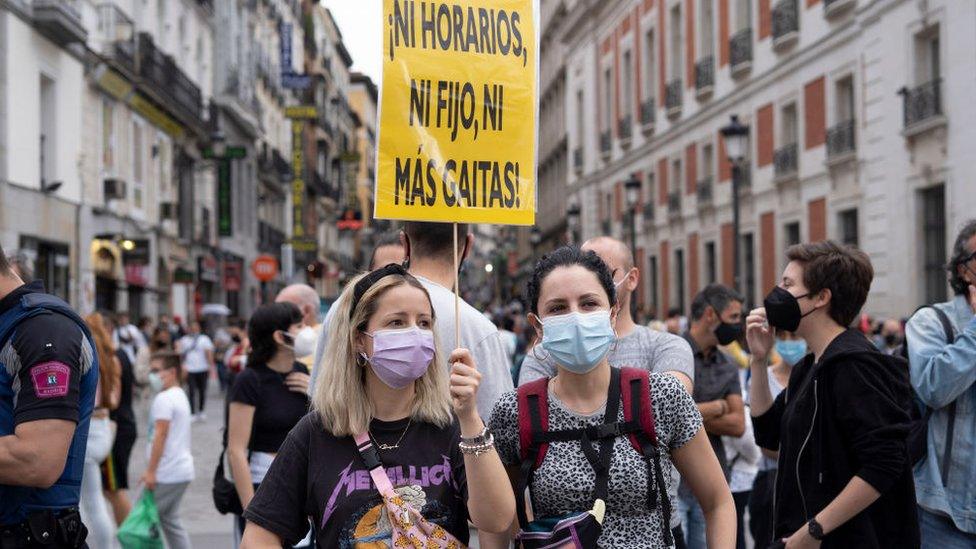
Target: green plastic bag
{"x":141,"y":529}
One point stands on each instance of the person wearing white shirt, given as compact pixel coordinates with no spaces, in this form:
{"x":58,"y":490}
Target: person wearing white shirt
{"x":170,"y":462}
{"x":197,"y":351}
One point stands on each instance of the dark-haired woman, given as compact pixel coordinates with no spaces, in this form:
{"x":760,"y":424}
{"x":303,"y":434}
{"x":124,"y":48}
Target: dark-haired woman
{"x":573,"y":308}
{"x":268,"y":398}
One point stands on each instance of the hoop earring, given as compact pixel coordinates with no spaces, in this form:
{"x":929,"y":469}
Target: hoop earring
{"x":361,"y":360}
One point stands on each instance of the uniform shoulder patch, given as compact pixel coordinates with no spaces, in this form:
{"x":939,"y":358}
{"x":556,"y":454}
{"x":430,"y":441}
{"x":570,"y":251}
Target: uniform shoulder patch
{"x":50,"y":379}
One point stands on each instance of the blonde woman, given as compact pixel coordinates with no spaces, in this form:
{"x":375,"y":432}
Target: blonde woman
{"x":384,"y":377}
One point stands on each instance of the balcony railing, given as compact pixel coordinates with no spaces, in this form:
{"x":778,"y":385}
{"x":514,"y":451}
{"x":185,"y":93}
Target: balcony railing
{"x":674,"y":203}
{"x":61,"y":19}
{"x":705,"y":75}
{"x":647,"y":112}
{"x":625,"y":128}
{"x":672,"y":100}
{"x":922,"y":102}
{"x":786,"y":21}
{"x":840,"y":139}
{"x":785,"y":161}
{"x":704,"y":191}
{"x":605,"y":143}
{"x":166,"y":79}
{"x":578,"y":159}
{"x":650,"y":211}
{"x":740,"y":47}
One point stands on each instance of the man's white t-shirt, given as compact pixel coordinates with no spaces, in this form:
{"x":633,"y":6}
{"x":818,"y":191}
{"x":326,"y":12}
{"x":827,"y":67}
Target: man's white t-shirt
{"x":194,"y":350}
{"x":176,"y":464}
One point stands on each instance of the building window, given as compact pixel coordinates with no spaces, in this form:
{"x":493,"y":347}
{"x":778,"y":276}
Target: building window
{"x":844,"y":95}
{"x":138,"y":158}
{"x":51,"y":263}
{"x":789,"y":129}
{"x":607,"y":99}
{"x":711,"y":264}
{"x":650,"y":63}
{"x":928,"y":65}
{"x":748,"y":270}
{"x":848,"y":226}
{"x":707,"y":161}
{"x":679,"y":277}
{"x":743,"y":15}
{"x":628,"y":94}
{"x":579,"y":119}
{"x":934,"y":243}
{"x":676,"y":176}
{"x":652,"y":268}
{"x":48,"y":133}
{"x":792,"y":231}
{"x":108,"y":135}
{"x":676,"y":65}
{"x":706,"y":30}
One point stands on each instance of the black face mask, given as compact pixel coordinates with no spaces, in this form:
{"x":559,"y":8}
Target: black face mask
{"x":783,"y":309}
{"x":891,"y":340}
{"x":727,"y":333}
{"x":235,"y":339}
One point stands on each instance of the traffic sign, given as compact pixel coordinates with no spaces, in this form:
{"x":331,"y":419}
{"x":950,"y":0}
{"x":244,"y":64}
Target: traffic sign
{"x":265,"y":268}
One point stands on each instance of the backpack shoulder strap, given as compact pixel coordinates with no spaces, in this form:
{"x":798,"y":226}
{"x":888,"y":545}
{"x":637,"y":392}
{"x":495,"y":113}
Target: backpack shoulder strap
{"x":533,"y":419}
{"x":635,"y":389}
{"x":950,"y":332}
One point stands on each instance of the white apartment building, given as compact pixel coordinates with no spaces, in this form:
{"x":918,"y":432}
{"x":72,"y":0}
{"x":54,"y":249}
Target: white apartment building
{"x":859,"y":114}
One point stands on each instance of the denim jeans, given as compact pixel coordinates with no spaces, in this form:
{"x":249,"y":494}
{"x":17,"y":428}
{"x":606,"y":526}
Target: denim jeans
{"x":938,"y":532}
{"x":692,"y":520}
{"x":93,"y":506}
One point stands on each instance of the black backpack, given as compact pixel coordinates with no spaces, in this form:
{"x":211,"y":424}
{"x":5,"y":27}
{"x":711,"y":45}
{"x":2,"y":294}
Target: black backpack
{"x":918,"y":434}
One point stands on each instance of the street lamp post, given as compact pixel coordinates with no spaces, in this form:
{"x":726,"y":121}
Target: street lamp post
{"x":736,"y":137}
{"x":573,"y":219}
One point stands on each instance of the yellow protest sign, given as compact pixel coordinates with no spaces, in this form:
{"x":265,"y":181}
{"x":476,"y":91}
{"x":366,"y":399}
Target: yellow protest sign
{"x":458,"y":111}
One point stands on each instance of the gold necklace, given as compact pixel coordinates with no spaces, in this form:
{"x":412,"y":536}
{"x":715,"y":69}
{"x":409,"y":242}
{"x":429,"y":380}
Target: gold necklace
{"x":385,"y":447}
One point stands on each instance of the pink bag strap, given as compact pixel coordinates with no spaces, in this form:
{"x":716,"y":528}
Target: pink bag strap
{"x":371,"y":457}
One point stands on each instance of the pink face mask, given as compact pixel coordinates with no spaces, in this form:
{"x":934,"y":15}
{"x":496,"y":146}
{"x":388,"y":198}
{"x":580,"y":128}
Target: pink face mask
{"x":401,"y":356}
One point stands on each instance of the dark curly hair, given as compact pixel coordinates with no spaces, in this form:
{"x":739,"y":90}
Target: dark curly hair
{"x":960,"y":253}
{"x":567,"y":256}
{"x":266,"y":320}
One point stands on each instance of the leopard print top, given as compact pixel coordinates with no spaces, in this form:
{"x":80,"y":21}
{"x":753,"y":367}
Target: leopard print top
{"x":565,"y":481}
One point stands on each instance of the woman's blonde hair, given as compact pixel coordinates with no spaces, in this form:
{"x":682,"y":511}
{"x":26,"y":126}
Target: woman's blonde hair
{"x":340,"y":396}
{"x":108,"y":366}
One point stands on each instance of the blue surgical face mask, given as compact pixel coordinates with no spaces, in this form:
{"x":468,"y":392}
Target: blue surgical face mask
{"x":155,"y":382}
{"x":792,"y":350}
{"x":578,"y":341}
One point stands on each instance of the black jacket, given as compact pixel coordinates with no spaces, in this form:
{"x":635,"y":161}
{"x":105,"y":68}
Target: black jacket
{"x":845,"y":416}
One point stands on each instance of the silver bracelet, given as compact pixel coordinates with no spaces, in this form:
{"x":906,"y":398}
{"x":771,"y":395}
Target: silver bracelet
{"x":478,"y":439}
{"x":476,"y":449}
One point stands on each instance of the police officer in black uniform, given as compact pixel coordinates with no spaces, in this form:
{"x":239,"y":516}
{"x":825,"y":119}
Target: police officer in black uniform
{"x":48,"y":378}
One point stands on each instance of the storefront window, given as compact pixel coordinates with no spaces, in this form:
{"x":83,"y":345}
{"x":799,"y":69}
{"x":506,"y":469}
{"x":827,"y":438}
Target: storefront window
{"x":51,"y":261}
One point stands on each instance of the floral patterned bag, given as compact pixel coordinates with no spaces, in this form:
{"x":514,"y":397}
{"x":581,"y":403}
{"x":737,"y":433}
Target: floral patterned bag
{"x":410,"y":528}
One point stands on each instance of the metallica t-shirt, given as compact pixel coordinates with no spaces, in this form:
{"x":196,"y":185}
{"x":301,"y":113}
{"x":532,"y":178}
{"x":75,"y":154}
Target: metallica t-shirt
{"x":319,"y":477}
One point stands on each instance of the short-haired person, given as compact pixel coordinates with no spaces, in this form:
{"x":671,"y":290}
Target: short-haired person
{"x":716,"y":319}
{"x":169,"y":468}
{"x":387,"y":249}
{"x":268,"y":398}
{"x":197,"y":351}
{"x":841,"y":433}
{"x":944,"y":378}
{"x":429,"y":257}
{"x":384,"y":383}
{"x":307,"y":300}
{"x":572,"y":298}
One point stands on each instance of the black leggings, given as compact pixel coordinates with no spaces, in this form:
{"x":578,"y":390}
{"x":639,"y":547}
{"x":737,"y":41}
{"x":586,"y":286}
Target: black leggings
{"x":197,"y":382}
{"x":761,"y":508}
{"x":741,"y":502}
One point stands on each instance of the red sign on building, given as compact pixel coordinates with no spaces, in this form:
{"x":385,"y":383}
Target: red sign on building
{"x":232,"y":276}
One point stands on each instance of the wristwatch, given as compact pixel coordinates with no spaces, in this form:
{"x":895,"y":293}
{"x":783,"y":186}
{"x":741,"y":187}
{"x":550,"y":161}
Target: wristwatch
{"x":816,"y":531}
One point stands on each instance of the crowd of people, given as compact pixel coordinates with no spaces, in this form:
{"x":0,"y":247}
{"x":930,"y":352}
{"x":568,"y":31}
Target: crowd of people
{"x":406,"y":416}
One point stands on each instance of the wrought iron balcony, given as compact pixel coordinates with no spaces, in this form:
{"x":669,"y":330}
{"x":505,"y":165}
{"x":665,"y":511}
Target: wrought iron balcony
{"x":647,"y":113}
{"x":578,"y":159}
{"x":650,"y":211}
{"x":740,"y":48}
{"x":625,"y":128}
{"x":840,"y":140}
{"x":166,"y":79}
{"x":672,"y":100}
{"x":674,"y":203}
{"x":60,"y":20}
{"x":785,"y":161}
{"x":270,"y":239}
{"x":786,"y":22}
{"x":922,"y":102}
{"x":704,"y":191}
{"x":705,"y":75}
{"x":605,"y":143}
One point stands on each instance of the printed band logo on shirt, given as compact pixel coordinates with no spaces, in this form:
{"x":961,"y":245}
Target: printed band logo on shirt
{"x":50,"y":379}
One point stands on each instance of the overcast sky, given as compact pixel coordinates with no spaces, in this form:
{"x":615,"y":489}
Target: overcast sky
{"x":361,"y":27}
